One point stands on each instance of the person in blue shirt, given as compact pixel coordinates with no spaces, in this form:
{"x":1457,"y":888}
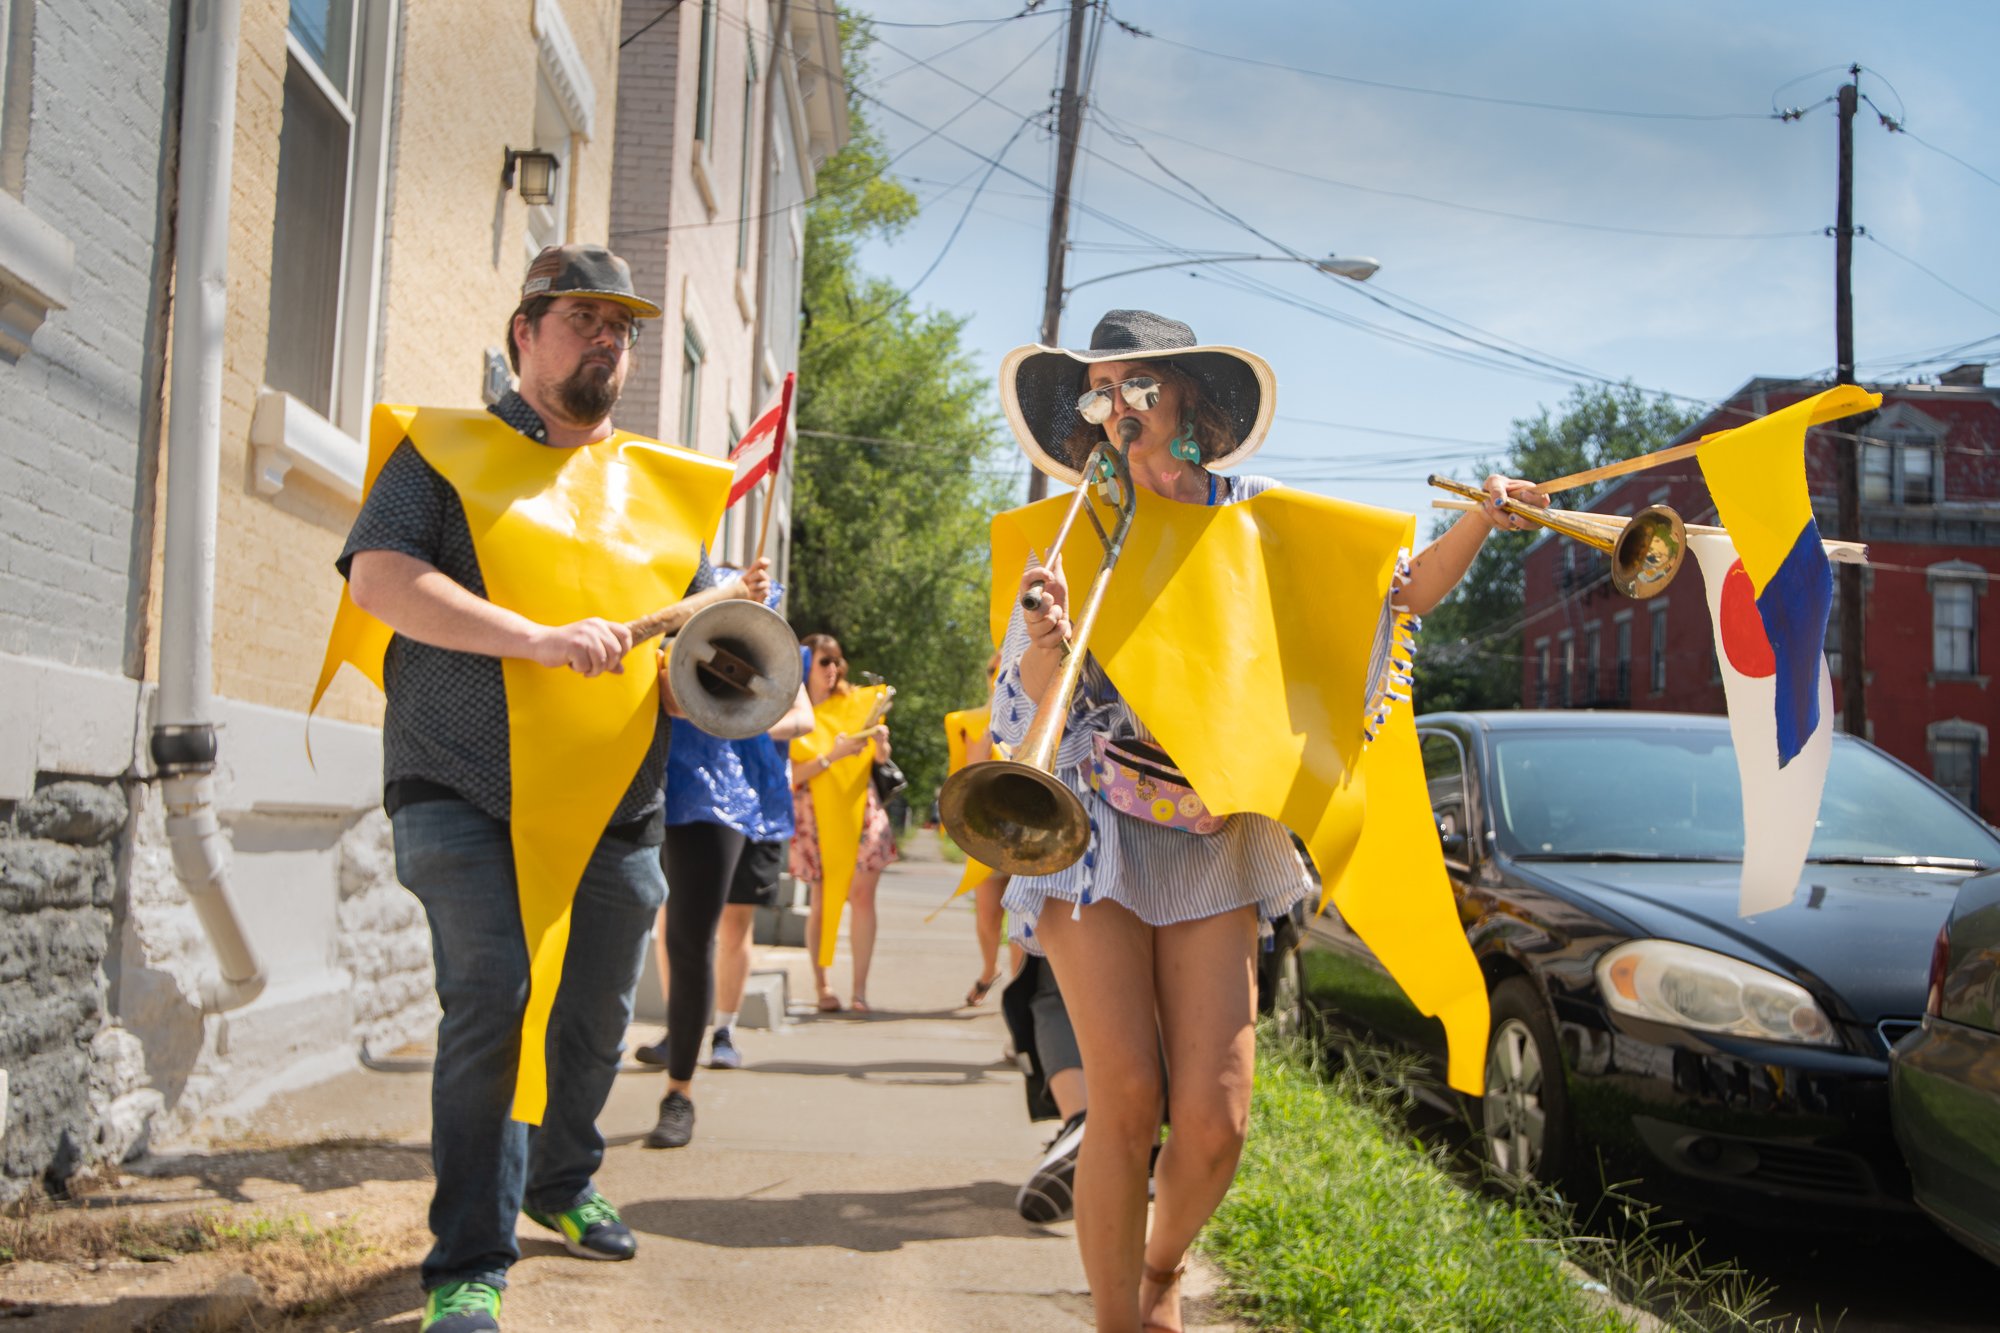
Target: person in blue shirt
{"x":728,"y":818}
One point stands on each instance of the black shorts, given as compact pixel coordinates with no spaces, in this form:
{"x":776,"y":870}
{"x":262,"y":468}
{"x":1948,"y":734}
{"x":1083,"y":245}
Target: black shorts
{"x":757,"y":872}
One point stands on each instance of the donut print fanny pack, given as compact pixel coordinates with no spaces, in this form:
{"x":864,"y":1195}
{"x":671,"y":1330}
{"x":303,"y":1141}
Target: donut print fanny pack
{"x":1141,"y":781}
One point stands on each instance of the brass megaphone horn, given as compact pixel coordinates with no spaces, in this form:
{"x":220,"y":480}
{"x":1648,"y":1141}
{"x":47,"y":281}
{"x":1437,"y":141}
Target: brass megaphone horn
{"x":1645,"y":553}
{"x":733,"y":667}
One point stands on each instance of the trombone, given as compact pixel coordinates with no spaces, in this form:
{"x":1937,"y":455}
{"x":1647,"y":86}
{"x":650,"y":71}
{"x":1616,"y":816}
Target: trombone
{"x":1646,"y":550}
{"x":1013,"y":814}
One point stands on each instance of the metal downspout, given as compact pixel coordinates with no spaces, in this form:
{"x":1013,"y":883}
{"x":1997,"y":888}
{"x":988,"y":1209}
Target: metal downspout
{"x":183,"y":740}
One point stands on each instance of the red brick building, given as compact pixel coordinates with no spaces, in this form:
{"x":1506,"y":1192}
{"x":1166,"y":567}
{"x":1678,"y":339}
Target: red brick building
{"x":1930,"y":513}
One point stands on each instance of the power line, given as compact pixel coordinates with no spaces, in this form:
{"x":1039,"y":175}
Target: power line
{"x":1447,"y":92}
{"x":1508,"y":214}
{"x":1939,"y":278}
{"x":674,"y":5}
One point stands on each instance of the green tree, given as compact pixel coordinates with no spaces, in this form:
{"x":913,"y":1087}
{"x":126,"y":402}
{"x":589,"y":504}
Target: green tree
{"x":890,"y":516}
{"x":1469,"y":654}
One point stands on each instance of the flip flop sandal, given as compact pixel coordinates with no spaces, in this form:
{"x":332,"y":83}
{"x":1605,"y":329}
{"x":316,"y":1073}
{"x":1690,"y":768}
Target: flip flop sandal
{"x":977,"y":995}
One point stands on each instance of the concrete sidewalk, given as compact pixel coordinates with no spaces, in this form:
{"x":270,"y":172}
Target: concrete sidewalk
{"x":856,"y":1174}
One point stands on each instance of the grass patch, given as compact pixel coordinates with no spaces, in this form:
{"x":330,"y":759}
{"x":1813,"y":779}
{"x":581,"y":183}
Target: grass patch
{"x":1341,"y":1219}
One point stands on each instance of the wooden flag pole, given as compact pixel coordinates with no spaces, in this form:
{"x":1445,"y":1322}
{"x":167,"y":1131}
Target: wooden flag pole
{"x":777,"y":462}
{"x":764,"y":529}
{"x":1826,"y":412}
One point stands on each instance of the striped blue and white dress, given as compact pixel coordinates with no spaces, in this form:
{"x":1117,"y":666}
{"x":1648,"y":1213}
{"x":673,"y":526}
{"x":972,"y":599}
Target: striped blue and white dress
{"x":1163,"y":875}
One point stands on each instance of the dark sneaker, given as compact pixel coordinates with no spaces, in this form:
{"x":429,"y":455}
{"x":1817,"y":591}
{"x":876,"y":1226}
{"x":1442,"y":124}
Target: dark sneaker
{"x":1049,"y":1195}
{"x":461,"y":1307}
{"x":676,"y":1125}
{"x":655,"y":1054}
{"x":722,"y":1052}
{"x":591,"y":1230}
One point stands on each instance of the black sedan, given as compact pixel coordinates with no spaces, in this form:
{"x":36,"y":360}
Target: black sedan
{"x":1643,"y":1032}
{"x":1944,"y":1086}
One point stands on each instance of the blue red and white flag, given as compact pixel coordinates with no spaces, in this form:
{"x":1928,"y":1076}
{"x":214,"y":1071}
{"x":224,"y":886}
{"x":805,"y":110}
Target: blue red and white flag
{"x":1756,"y":475}
{"x":1780,"y":799}
{"x":756,"y":455}
{"x":1770,"y":589}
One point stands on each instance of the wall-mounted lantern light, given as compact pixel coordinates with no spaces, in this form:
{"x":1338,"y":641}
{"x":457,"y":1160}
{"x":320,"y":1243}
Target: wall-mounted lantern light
{"x":538,"y":174}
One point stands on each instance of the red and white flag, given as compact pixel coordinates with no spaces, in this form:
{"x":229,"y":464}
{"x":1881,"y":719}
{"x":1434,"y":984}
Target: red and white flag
{"x":756,"y":454}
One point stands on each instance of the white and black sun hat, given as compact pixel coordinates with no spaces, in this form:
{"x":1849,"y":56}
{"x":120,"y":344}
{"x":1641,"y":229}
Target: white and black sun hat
{"x":1039,"y":387}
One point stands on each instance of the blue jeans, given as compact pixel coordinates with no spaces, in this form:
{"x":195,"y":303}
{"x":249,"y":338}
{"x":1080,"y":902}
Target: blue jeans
{"x":460,"y":864}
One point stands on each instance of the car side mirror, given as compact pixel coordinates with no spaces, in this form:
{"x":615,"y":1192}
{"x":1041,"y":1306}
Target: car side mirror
{"x":1451,"y":838}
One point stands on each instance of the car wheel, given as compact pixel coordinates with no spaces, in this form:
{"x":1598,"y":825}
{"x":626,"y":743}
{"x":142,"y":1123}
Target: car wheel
{"x":1525,"y":1112}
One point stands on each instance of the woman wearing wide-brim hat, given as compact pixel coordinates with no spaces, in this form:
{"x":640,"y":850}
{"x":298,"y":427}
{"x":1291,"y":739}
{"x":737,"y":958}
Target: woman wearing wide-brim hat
{"x":1154,"y":943}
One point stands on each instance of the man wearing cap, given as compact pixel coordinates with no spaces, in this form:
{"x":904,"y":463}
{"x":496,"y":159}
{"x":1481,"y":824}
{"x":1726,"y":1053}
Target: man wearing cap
{"x":522,"y":763}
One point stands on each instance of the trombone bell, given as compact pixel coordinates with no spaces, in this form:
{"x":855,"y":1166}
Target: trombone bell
{"x":1648,"y":552}
{"x":1014,"y":817}
{"x":734,"y":669}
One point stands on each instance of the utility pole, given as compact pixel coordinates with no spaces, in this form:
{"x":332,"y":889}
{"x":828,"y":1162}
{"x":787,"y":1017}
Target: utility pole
{"x":1069,"y":117}
{"x":1854,"y":708}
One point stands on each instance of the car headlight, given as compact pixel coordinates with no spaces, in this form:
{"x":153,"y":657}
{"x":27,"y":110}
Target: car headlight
{"x":1709,"y":992}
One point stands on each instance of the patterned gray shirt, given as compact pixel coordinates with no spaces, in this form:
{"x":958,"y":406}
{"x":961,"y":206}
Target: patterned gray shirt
{"x":446,"y":722}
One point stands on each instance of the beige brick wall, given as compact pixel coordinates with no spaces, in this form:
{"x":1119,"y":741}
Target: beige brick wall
{"x":453,"y":260}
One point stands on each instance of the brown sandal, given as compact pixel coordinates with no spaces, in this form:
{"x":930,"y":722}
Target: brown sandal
{"x":1163,"y":1278}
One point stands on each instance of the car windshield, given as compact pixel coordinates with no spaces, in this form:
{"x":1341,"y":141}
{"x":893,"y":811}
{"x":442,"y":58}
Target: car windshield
{"x":1676,"y":796}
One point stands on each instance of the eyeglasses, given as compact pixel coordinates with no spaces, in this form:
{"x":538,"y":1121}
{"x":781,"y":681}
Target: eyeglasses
{"x":588,"y":324}
{"x":1141,"y":393}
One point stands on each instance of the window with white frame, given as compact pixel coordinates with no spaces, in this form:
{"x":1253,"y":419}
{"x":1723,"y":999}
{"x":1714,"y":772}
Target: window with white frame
{"x":17,"y":46}
{"x":1899,"y":466}
{"x":744,"y":178}
{"x":1833,"y":630}
{"x":733,"y":548}
{"x":326,"y":237}
{"x":1593,"y":662}
{"x":1568,"y":644}
{"x":692,"y":355}
{"x":1541,"y":673}
{"x":1954,"y":626}
{"x":309,"y":238}
{"x":704,"y":98}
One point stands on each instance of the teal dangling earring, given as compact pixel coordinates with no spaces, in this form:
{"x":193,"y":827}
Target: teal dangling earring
{"x":1183,"y":445}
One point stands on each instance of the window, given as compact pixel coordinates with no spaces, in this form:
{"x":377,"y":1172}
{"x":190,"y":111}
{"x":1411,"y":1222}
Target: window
{"x":704,"y":98}
{"x":1954,"y":627}
{"x":1659,"y":649}
{"x":1593,"y":663}
{"x":1624,"y":686}
{"x":1833,"y":629}
{"x":692,"y":354}
{"x":743,"y":209}
{"x":1900,"y":467}
{"x":17,"y":47}
{"x":1568,"y":671}
{"x":731,"y":526}
{"x":1541,"y":673}
{"x":548,"y":224}
{"x":1955,"y":767}
{"x":327,"y":232}
{"x":309,"y":239}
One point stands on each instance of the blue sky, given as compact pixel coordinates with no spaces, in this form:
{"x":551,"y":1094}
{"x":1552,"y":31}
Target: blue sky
{"x":1739,"y":284}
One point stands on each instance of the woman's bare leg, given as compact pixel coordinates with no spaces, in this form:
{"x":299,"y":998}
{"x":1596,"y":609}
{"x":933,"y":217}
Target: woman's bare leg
{"x":732,"y":956}
{"x":1104,"y":963}
{"x":861,"y":925}
{"x":988,"y":915}
{"x":660,"y":950}
{"x":1205,"y":975}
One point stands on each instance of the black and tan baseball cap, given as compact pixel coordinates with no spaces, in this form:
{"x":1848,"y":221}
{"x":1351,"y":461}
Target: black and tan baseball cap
{"x":585,"y":270}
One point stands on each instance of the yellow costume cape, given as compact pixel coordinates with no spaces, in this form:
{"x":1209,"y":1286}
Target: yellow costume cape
{"x":840,"y":801}
{"x":1248,"y":638}
{"x":959,"y":729}
{"x":611,"y":529}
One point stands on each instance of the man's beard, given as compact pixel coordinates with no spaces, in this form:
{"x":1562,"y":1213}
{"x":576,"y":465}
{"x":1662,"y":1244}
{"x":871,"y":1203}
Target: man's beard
{"x":585,"y":397}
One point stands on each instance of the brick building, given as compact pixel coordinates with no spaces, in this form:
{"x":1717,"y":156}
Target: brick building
{"x":1930,"y":514}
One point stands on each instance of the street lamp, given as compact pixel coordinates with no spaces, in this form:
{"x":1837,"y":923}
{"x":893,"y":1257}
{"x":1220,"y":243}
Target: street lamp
{"x":1354,"y":267}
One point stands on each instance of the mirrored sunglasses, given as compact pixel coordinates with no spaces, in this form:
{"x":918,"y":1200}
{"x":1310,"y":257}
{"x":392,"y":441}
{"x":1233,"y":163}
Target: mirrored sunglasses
{"x":1141,"y":394}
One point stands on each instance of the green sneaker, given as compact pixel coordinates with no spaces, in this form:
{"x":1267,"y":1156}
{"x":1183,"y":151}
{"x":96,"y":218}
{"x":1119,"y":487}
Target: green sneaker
{"x":591,"y":1230}
{"x":461,"y":1307}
